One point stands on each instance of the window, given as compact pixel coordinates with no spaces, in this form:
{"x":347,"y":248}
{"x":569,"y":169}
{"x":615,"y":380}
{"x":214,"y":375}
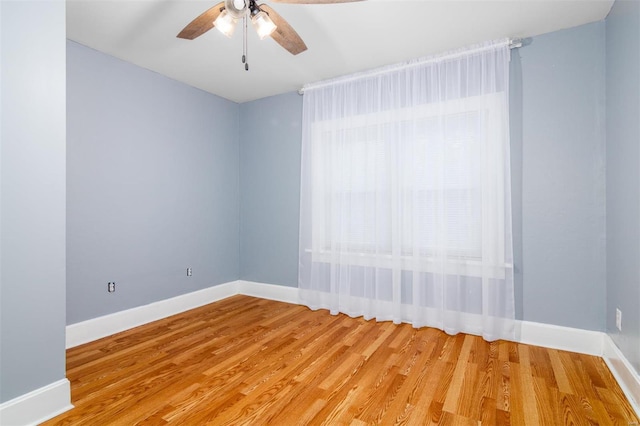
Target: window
{"x":411,"y":186}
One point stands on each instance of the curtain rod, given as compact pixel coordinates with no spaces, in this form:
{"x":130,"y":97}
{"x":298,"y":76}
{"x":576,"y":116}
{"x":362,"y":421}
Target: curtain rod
{"x":513,"y":44}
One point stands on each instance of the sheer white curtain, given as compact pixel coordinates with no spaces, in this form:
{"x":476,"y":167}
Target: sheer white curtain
{"x":405,"y":194}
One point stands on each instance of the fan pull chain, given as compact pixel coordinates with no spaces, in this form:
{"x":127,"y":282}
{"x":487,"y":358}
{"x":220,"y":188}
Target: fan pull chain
{"x":245,"y":45}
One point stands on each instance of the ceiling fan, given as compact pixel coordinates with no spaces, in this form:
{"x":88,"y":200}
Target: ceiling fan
{"x":226,"y":14}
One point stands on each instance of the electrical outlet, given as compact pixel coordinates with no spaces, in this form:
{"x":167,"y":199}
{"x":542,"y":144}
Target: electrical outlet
{"x":619,"y":319}
{"x":111,"y":287}
{"x":189,"y":272}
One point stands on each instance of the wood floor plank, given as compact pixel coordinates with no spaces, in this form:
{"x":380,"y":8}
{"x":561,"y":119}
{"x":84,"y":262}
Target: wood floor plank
{"x":548,"y":412}
{"x":429,"y":396}
{"x":418,"y":366}
{"x":559,"y":372}
{"x":529,"y":402}
{"x":516,"y":395}
{"x":455,"y":389}
{"x":251,"y":361}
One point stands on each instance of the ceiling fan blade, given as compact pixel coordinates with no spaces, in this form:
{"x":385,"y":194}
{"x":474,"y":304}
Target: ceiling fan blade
{"x":202,"y":23}
{"x":314,"y":1}
{"x":284,"y":34}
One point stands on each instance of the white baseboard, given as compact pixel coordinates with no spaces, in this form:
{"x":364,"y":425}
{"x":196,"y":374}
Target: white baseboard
{"x":279,"y":293}
{"x":546,"y":335}
{"x":97,"y":328}
{"x":37,"y":406}
{"x":563,"y":338}
{"x":623,"y":371}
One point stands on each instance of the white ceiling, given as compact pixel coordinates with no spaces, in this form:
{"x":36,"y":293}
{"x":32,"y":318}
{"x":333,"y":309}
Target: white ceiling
{"x":342,"y":38}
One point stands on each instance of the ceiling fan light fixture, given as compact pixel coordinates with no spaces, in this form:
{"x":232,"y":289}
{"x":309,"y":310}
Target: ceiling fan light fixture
{"x":225,"y":23}
{"x":263,"y":24}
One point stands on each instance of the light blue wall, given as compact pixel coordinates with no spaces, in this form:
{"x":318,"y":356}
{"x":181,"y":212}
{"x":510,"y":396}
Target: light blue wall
{"x":623,"y":176}
{"x":32,"y":224}
{"x":270,"y":136}
{"x":516,"y":130}
{"x":557,"y":117}
{"x":563,"y":178}
{"x":153,"y":186}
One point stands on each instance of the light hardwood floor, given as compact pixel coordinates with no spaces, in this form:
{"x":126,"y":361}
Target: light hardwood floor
{"x":251,"y":361}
